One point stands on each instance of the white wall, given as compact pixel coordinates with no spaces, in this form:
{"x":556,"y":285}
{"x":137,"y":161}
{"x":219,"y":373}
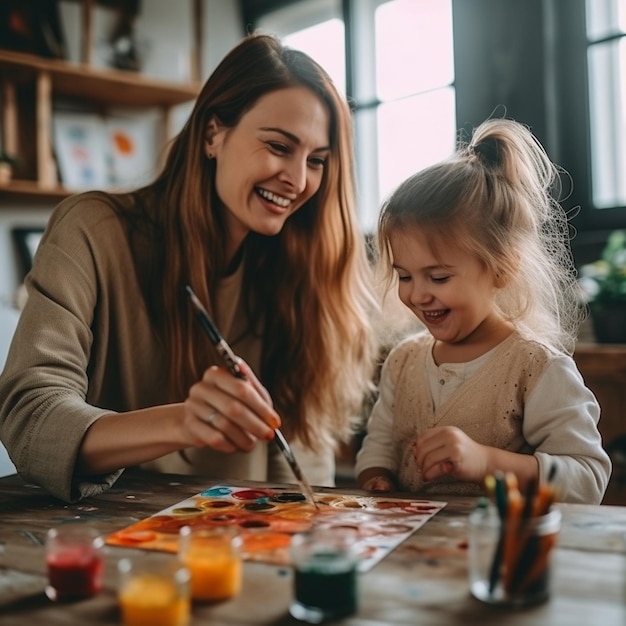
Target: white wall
{"x":164,"y":31}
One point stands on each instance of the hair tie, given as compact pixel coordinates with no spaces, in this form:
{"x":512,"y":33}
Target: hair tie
{"x":488,"y":151}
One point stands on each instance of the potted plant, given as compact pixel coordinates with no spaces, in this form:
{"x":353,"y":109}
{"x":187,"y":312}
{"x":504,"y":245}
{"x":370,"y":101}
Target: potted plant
{"x":7,"y":162}
{"x":603,"y":284}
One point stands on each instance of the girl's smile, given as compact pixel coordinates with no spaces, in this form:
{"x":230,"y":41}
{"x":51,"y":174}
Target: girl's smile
{"x":450,"y":291}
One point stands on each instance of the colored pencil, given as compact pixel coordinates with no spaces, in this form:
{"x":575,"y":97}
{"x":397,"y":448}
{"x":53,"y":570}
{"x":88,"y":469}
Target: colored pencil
{"x":499,"y":489}
{"x":521,"y":555}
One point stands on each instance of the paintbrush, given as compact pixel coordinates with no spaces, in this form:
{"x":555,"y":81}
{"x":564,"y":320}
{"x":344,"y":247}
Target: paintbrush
{"x":232,"y":363}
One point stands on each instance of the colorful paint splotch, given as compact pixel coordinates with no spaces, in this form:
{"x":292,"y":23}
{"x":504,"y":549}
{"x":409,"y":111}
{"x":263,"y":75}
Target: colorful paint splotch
{"x":267,"y":519}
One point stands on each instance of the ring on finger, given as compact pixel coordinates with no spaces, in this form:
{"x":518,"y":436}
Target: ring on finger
{"x":210,"y":419}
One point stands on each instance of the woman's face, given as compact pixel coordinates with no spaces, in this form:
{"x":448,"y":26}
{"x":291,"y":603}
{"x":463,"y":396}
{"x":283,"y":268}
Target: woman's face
{"x":271,"y":162}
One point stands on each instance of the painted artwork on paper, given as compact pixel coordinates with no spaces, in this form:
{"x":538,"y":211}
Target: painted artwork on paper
{"x":268,"y":518}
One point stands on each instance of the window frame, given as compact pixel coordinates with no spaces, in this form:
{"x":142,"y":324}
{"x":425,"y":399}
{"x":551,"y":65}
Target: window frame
{"x":572,"y":111}
{"x":560,"y":114}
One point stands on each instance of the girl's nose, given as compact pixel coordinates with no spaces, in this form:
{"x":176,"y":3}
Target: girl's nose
{"x":420,"y":294}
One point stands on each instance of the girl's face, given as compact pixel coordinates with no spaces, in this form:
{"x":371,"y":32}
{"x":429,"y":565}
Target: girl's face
{"x":271,"y":162}
{"x":452,"y":294}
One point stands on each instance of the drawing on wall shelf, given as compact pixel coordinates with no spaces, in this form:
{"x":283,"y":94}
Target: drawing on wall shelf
{"x":131,"y":142}
{"x":80,"y":145}
{"x":94,"y":152}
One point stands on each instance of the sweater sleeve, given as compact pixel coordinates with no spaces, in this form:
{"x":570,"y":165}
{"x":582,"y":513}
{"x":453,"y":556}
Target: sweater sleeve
{"x":377,"y":448}
{"x":560,"y":421}
{"x":43,"y":412}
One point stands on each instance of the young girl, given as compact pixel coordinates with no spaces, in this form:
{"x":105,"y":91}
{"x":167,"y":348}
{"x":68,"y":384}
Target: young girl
{"x":481,"y":254}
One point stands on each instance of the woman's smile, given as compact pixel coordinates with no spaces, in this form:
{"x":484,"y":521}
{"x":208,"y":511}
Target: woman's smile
{"x":273,"y":199}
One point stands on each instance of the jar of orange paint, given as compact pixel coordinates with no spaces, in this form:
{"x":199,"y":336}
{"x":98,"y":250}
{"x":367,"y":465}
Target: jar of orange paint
{"x":213,"y":557}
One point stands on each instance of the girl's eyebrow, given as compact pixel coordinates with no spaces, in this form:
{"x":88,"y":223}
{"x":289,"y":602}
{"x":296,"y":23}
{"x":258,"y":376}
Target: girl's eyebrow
{"x":429,"y":268}
{"x":294,"y":138}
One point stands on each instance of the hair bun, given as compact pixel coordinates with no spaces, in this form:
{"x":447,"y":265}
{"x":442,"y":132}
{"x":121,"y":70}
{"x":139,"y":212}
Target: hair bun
{"x":488,"y":151}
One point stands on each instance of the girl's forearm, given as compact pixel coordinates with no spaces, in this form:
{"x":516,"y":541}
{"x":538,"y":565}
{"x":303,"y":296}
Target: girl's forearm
{"x":524,"y":466}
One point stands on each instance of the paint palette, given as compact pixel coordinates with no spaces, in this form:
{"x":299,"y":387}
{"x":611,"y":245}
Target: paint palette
{"x":267,"y":519}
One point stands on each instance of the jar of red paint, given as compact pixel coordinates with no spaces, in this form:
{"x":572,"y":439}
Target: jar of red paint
{"x":75,"y":562}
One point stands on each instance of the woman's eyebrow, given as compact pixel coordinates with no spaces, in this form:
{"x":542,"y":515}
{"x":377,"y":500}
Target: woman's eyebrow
{"x":294,"y":138}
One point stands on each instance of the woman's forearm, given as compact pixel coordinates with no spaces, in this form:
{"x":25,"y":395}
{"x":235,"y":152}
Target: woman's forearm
{"x":119,"y":440}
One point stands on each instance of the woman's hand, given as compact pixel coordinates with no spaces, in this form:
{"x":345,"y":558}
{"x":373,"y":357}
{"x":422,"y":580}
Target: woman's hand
{"x":448,"y":450}
{"x":227,"y":413}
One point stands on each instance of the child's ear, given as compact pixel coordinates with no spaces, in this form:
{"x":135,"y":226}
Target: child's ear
{"x":500,"y":279}
{"x":212,"y":137}
{"x":503,"y":273}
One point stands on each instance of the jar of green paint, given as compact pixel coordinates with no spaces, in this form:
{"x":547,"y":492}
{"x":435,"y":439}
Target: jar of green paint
{"x":325,"y":575}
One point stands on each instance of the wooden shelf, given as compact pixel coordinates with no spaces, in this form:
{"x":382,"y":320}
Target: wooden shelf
{"x":24,"y":189}
{"x":31,"y":88}
{"x":112,"y":87}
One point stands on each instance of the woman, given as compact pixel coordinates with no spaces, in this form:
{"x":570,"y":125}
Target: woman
{"x":109,"y":367}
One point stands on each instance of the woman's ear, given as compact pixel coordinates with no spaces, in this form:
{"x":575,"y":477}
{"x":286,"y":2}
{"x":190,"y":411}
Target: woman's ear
{"x":212,"y":137}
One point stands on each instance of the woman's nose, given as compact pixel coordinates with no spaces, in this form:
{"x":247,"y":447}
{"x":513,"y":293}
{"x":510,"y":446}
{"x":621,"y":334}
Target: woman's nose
{"x":294,"y":173}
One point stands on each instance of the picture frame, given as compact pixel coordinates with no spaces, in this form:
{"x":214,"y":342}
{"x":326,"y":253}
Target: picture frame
{"x":34,"y":27}
{"x":27,"y":240}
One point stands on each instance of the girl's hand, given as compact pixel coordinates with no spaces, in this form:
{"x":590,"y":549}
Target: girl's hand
{"x":378,"y":484}
{"x":376,"y":479}
{"x":227,"y":413}
{"x":448,"y":450}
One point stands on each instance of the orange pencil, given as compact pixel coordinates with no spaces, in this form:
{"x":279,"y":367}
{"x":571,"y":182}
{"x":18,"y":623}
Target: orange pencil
{"x":512,"y":538}
{"x":540,"y":563}
{"x":534,"y":550}
{"x":544,"y":499}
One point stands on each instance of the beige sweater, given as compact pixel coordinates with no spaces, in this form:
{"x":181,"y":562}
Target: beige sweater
{"x":85,"y":347}
{"x":520,"y":396}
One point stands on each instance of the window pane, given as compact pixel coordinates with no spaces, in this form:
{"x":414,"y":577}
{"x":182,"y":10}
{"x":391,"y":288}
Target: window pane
{"x":325,"y":43}
{"x":607,"y":103}
{"x":414,"y":48}
{"x":366,"y":147}
{"x":605,"y":17}
{"x":412,"y":134}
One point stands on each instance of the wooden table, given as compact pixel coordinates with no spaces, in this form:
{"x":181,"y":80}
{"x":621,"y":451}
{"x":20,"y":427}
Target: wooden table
{"x":423,"y":581}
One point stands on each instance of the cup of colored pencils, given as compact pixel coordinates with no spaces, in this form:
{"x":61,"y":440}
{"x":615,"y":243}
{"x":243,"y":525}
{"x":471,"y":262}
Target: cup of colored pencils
{"x":512,"y":534}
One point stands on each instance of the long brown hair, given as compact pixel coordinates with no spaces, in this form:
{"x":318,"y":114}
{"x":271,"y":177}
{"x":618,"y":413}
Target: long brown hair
{"x":310,"y":284}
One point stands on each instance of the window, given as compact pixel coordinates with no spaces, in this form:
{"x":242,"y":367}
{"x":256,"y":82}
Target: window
{"x":606,"y":58}
{"x":394,"y":61}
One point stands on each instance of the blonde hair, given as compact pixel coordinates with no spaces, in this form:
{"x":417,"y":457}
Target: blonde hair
{"x":307,"y":291}
{"x":497,"y":198}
